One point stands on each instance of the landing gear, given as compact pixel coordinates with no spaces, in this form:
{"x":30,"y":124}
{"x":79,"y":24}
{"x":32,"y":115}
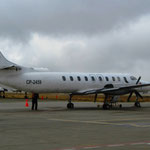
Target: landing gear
{"x":137,"y":104}
{"x":3,"y":94}
{"x":25,"y":95}
{"x":120,"y":106}
{"x":106,"y":106}
{"x":138,"y":95}
{"x":70,"y":105}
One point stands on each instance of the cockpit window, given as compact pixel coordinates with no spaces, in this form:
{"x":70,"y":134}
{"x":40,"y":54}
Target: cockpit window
{"x":133,"y":78}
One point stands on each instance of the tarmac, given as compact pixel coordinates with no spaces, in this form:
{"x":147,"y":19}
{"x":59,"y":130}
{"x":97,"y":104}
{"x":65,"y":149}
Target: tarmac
{"x":87,"y":127}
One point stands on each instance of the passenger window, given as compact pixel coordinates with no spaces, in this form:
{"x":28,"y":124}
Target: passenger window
{"x":79,"y":79}
{"x":118,"y":78}
{"x":86,"y":78}
{"x":64,"y":78}
{"x":100,"y":78}
{"x":125,"y":79}
{"x":107,"y":79}
{"x":113,"y":78}
{"x":71,"y":78}
{"x":93,"y":79}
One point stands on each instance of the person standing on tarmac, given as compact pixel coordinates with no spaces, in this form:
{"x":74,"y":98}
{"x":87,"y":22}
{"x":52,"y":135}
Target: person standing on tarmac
{"x":35,"y":97}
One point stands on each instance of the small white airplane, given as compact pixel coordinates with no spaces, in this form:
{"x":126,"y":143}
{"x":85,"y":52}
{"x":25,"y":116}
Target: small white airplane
{"x":43,"y":81}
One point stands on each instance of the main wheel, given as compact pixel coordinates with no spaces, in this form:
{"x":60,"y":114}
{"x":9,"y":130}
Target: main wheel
{"x":106,"y":106}
{"x":70,"y":105}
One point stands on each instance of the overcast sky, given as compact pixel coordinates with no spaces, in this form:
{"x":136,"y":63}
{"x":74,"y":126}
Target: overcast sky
{"x":78,"y":35}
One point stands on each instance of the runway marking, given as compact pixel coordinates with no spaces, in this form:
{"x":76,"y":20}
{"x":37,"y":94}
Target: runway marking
{"x":90,"y":147}
{"x":125,"y":119}
{"x":140,"y":143}
{"x":78,"y":121}
{"x":106,"y":145}
{"x":101,"y":123}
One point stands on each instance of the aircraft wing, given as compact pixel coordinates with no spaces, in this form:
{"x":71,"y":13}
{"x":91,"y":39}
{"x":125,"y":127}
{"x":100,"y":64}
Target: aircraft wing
{"x":86,"y":92}
{"x":129,"y":88}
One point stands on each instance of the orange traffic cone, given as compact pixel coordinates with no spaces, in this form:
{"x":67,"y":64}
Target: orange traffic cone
{"x":27,"y":105}
{"x":56,"y":97}
{"x":42,"y":98}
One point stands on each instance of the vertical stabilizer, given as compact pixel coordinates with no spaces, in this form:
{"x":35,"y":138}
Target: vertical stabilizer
{"x":4,"y":63}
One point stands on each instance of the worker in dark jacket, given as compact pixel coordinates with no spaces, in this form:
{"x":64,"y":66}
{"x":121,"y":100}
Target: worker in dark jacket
{"x":35,"y":97}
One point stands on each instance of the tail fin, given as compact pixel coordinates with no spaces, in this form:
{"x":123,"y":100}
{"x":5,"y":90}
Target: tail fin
{"x":4,"y":63}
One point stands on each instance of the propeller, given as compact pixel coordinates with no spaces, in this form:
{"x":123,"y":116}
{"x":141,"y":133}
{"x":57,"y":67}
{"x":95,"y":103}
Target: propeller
{"x":129,"y":96}
{"x":138,"y":80}
{"x":136,"y":92}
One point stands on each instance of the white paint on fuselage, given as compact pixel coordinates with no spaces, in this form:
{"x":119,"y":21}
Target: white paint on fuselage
{"x":52,"y":82}
{"x":41,"y":81}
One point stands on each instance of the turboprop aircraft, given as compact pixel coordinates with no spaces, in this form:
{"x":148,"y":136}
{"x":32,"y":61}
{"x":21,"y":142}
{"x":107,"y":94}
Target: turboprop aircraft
{"x":43,"y":81}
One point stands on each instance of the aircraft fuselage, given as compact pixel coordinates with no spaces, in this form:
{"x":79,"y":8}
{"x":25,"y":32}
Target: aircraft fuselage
{"x":61,"y":82}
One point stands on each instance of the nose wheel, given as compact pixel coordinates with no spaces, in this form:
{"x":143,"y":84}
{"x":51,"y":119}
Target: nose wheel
{"x":137,"y":104}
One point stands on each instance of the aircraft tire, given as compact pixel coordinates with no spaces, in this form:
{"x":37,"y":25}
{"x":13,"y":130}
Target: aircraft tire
{"x":137,"y":104}
{"x":120,"y":105}
{"x":70,"y":105}
{"x":106,"y":106}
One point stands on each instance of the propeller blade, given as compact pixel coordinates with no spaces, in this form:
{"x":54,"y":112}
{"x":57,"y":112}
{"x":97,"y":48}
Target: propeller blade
{"x":138,"y":94}
{"x":129,"y":96}
{"x":138,"y":80}
{"x":95,"y":97}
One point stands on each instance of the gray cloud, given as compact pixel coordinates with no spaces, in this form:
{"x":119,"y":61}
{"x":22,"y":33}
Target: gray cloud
{"x":18,"y":19}
{"x":77,"y":35}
